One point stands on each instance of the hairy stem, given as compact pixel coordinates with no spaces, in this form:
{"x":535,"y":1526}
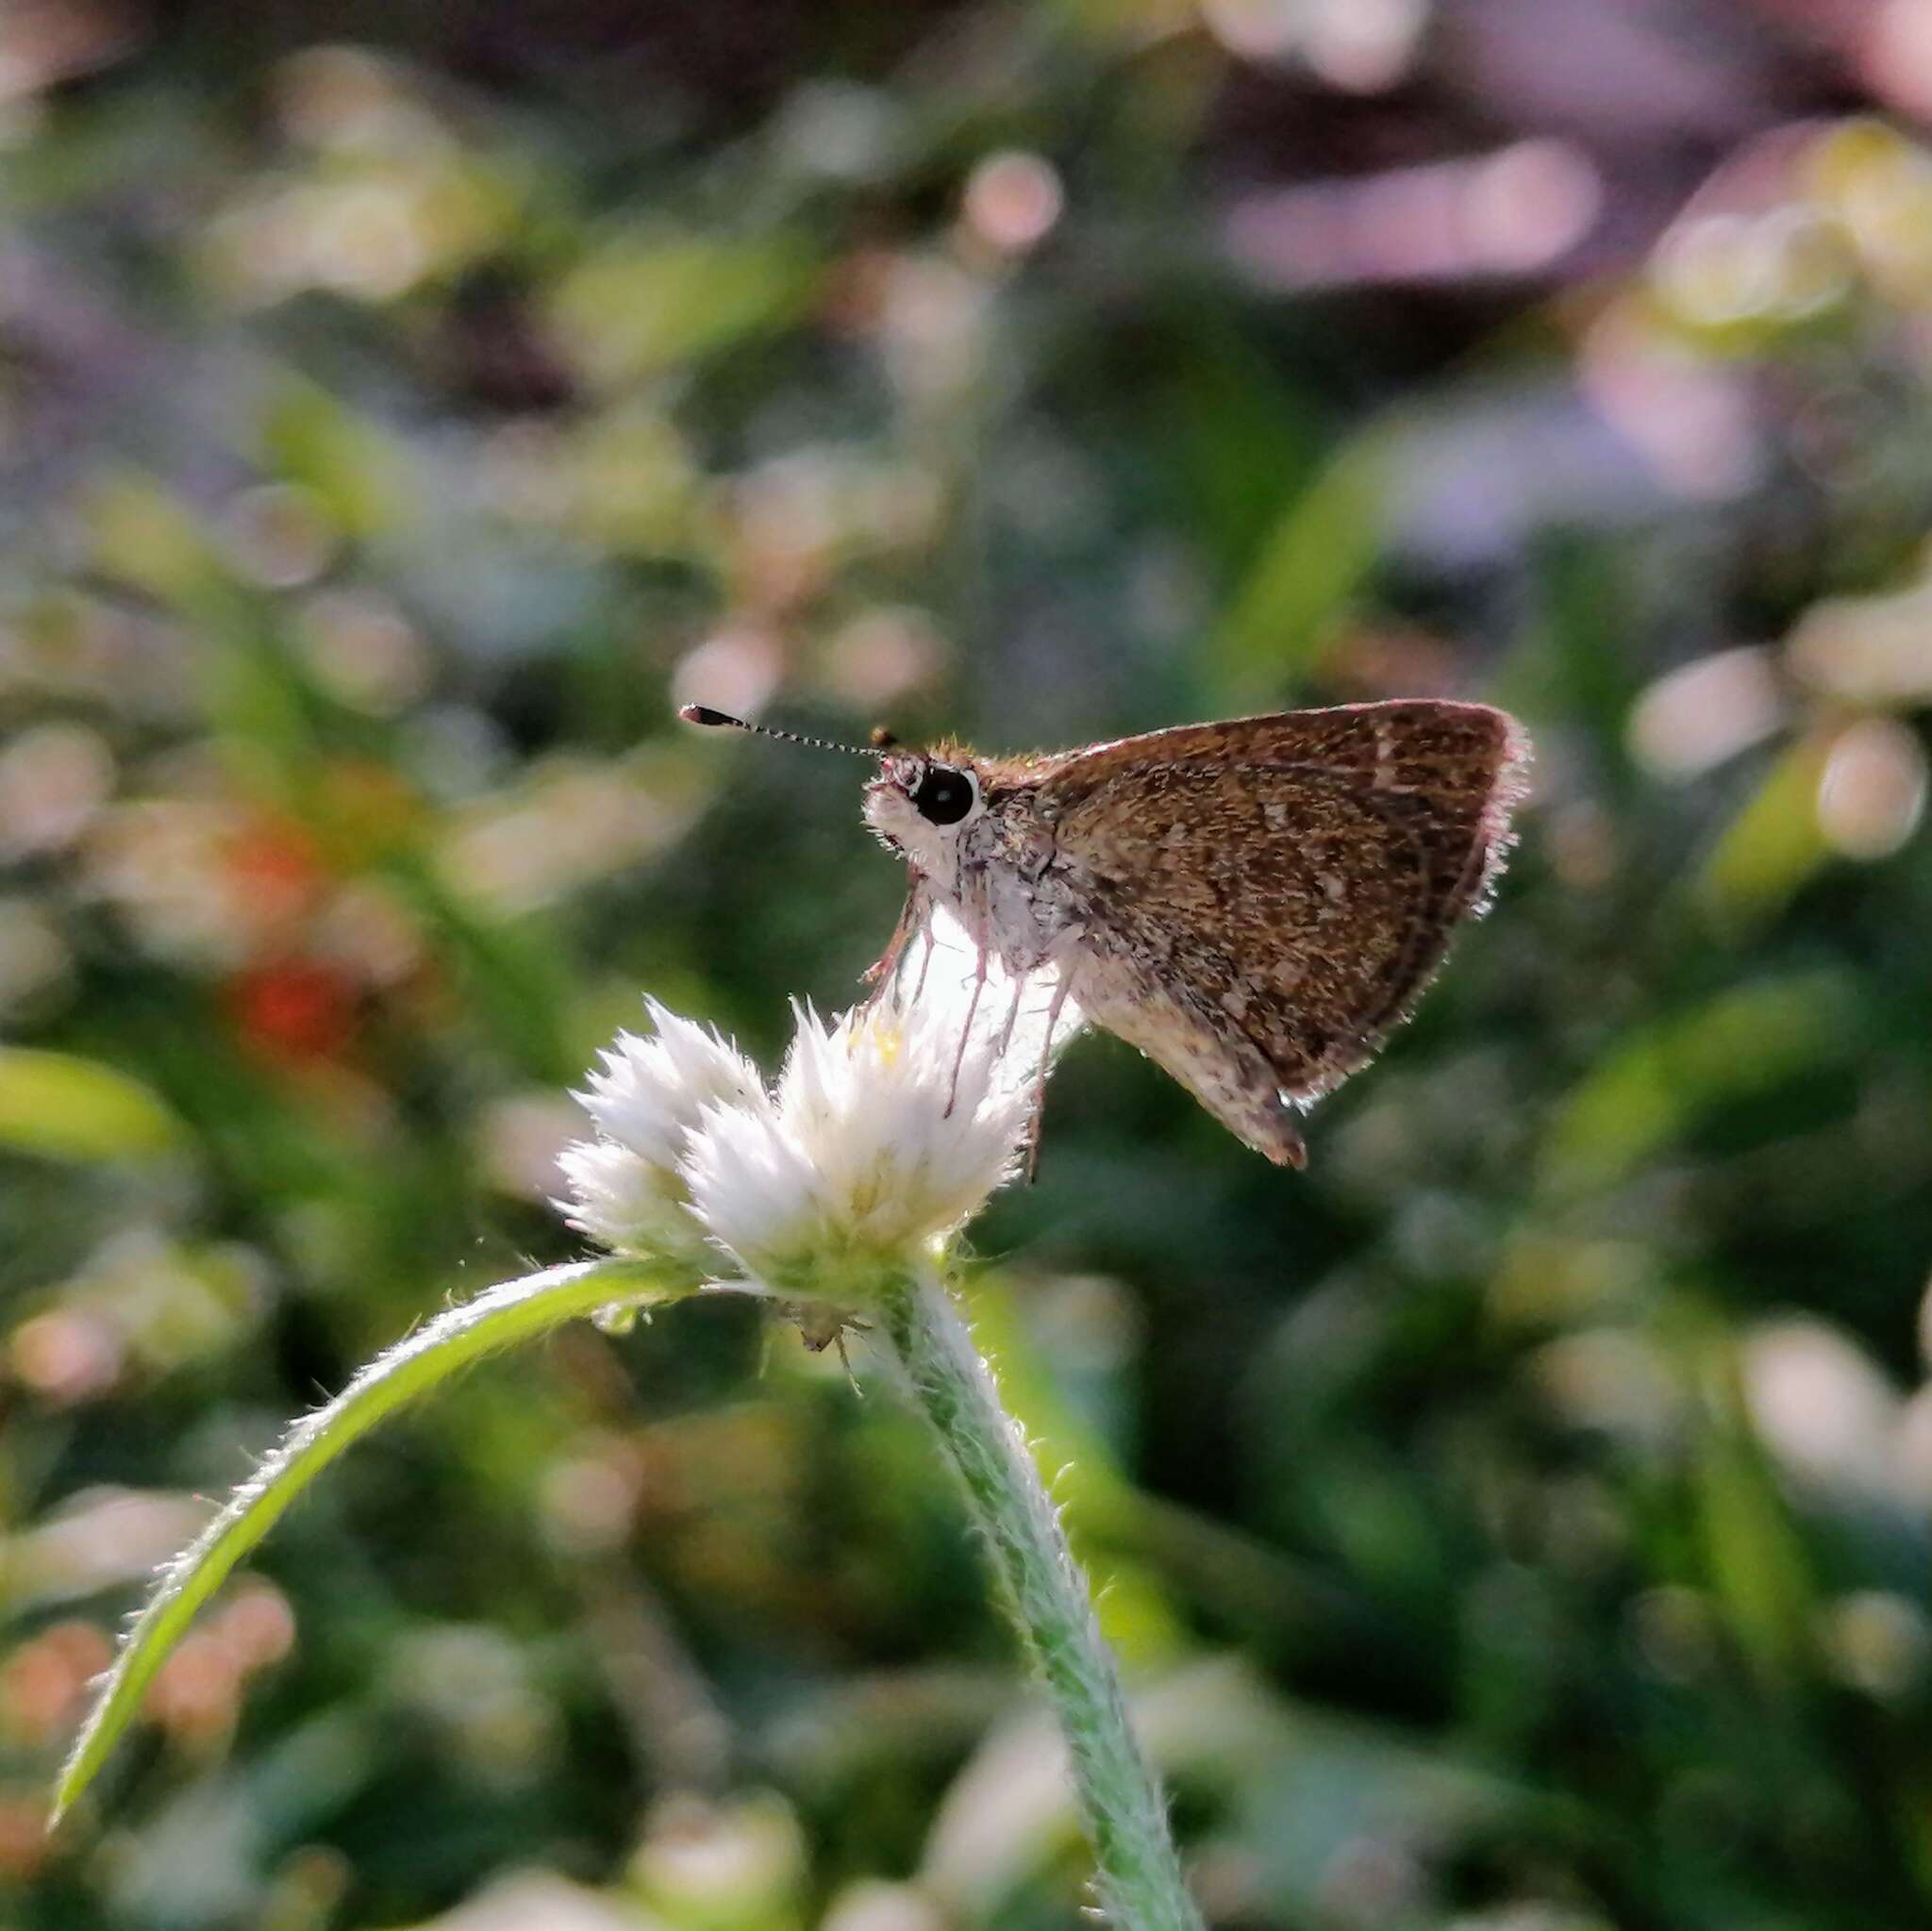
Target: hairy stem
{"x":512,"y":1311}
{"x":1138,"y":1874}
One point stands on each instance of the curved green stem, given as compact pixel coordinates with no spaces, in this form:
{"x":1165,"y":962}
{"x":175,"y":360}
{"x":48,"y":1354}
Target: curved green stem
{"x":511,"y":1311}
{"x":1137,"y":1872}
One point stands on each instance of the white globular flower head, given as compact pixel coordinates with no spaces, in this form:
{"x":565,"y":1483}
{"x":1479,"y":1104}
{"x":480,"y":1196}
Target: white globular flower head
{"x":646,"y":1097}
{"x":647,"y":1093}
{"x":883,"y":1134}
{"x":886,"y":1130}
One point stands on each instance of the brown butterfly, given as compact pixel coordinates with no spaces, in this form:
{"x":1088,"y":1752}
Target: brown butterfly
{"x":1255,"y":905}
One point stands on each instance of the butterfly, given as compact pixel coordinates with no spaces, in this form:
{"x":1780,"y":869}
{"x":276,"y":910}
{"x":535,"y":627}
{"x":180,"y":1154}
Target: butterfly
{"x":1254,"y":904}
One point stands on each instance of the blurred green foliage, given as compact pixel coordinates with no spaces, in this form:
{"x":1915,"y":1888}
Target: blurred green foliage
{"x":1520,"y":1520}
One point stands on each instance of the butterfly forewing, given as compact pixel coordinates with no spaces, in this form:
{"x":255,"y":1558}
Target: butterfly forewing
{"x":1287,"y":884}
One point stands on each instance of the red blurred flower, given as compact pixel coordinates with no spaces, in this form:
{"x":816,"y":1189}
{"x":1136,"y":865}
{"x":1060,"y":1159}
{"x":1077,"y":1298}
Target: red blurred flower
{"x":295,"y":1009}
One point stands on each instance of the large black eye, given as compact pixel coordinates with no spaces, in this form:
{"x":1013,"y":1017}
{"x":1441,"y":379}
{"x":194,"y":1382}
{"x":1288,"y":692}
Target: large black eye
{"x":944,"y":795}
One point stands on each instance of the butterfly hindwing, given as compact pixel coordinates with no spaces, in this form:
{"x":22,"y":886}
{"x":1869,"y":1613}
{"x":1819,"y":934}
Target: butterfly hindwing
{"x":1287,"y":884}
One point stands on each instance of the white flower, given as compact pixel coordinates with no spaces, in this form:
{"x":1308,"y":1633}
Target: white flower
{"x":884,"y":1133}
{"x":626,"y":1192}
{"x":648,"y":1094}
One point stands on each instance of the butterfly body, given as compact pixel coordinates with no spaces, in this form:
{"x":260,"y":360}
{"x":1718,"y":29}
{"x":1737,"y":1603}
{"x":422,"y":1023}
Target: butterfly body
{"x":1253,"y":904}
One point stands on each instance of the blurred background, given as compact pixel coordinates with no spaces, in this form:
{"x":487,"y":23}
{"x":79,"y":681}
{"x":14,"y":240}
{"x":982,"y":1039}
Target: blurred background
{"x":1519,"y":1522}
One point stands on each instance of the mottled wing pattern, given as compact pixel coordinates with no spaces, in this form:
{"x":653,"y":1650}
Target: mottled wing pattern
{"x":1265,"y":899}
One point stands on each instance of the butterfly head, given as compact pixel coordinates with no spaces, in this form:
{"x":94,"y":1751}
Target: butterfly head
{"x":920,"y":803}
{"x":923,"y":803}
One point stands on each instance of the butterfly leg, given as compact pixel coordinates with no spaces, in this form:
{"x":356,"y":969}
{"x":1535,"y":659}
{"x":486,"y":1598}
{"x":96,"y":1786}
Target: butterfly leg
{"x":925,"y":963}
{"x":965,"y":1032}
{"x":1039,"y":1112}
{"x":1012,"y":1016}
{"x":885,"y":970}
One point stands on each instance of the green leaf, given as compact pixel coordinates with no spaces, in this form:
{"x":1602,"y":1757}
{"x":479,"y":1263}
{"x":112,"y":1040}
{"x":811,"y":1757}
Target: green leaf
{"x":1770,"y":849}
{"x":1307,"y":572}
{"x":1757,"y":1563}
{"x":1241,"y":442}
{"x":514,"y":973}
{"x":357,"y":471}
{"x":512,"y":1311}
{"x":143,"y":535}
{"x":64,"y":1107}
{"x":1662,"y":1078}
{"x":651,"y":299}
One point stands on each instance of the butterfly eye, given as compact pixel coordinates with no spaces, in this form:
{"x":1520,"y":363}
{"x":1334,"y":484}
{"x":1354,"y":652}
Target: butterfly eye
{"x":946,"y":795}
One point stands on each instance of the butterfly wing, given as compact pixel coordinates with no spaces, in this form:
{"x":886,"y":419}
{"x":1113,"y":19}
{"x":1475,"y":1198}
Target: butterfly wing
{"x":1263,"y":900}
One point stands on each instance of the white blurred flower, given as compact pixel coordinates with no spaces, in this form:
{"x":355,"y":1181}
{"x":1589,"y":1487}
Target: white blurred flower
{"x":626,"y":1192}
{"x":886,"y":1131}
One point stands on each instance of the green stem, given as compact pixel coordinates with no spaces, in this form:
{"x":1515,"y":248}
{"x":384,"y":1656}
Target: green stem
{"x":511,"y":1311}
{"x":1137,"y":1872}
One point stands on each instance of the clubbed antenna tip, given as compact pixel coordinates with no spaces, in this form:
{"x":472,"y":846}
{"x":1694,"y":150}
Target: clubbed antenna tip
{"x":704,"y":714}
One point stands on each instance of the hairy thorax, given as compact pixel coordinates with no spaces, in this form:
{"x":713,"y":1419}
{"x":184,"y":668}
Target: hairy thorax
{"x":1017,"y":887}
{"x":1001,"y":875}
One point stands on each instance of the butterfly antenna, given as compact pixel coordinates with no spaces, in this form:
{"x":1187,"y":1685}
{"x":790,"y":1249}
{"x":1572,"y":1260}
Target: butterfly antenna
{"x":704,"y":714}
